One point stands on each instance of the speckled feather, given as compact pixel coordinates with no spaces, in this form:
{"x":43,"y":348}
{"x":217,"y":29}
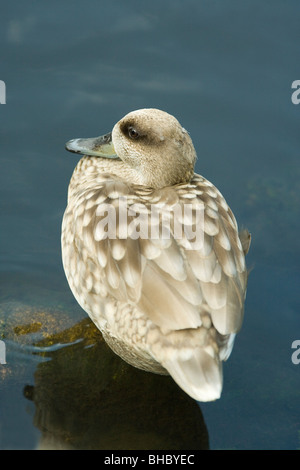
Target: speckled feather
{"x":160,"y":306}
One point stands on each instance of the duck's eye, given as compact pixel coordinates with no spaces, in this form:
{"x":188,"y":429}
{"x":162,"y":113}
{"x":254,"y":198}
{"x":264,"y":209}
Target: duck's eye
{"x":133,"y":133}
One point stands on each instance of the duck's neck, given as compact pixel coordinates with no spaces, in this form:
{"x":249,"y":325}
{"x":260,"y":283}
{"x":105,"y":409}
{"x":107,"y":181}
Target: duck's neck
{"x":91,"y":171}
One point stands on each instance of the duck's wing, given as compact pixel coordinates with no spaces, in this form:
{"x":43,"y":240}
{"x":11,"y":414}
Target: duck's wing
{"x":131,"y":235}
{"x":175,"y":282}
{"x":219,"y":265}
{"x":203,"y":269}
{"x":202,"y":280}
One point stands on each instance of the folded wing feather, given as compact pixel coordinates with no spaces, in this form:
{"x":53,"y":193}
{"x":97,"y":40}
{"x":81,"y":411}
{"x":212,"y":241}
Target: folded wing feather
{"x":174,"y":286}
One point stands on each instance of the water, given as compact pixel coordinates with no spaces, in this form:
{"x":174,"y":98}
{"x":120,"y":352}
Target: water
{"x":225,"y":70}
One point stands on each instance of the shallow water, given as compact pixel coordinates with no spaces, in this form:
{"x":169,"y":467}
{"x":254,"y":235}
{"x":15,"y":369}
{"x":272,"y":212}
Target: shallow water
{"x":225,"y":70}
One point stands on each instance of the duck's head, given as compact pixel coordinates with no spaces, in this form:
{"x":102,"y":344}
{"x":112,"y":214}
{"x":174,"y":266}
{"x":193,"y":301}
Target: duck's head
{"x":150,"y":142}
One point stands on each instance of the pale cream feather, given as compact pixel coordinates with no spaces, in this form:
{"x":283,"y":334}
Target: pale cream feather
{"x":161,"y":306}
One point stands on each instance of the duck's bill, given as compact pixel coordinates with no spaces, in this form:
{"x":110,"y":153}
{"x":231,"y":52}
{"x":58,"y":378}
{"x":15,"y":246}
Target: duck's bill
{"x":95,"y":146}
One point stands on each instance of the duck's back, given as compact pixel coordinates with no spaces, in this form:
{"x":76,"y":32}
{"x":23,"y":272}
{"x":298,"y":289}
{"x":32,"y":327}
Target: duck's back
{"x":161,"y":273}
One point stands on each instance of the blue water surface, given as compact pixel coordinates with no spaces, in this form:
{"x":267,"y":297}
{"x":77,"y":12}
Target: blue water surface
{"x":225,"y":70}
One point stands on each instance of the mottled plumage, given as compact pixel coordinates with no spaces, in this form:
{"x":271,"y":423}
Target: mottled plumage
{"x":161,"y":303}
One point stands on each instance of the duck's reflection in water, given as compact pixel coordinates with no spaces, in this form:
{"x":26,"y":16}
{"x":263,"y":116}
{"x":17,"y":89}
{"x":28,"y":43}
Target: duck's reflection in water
{"x":87,"y":398}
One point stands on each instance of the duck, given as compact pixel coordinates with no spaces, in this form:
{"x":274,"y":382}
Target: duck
{"x":152,"y":252}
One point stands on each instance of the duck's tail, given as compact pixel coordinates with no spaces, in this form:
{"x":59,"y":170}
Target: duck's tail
{"x":200,"y":376}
